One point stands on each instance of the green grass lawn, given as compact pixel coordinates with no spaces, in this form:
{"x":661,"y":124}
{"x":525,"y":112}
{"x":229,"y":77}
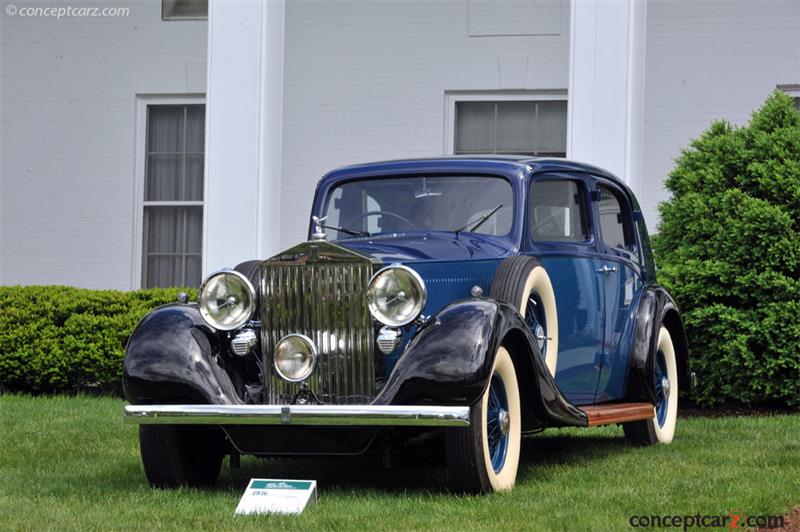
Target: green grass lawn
{"x":69,"y":463}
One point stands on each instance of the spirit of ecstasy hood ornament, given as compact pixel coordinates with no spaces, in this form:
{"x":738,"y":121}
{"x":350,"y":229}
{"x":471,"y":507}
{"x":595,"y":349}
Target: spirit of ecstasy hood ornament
{"x":319,"y":232}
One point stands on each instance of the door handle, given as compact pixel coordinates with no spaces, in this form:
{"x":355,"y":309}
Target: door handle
{"x":606,"y":269}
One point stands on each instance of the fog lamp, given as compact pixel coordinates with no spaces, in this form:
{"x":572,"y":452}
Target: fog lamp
{"x":295,"y":357}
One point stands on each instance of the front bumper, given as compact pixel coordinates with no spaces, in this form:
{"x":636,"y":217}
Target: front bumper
{"x":300,"y":415}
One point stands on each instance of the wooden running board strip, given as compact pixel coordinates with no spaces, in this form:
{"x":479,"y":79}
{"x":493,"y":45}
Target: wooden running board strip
{"x":618,"y":413}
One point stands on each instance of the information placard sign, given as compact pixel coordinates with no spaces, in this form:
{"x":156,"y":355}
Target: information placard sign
{"x":268,"y":495}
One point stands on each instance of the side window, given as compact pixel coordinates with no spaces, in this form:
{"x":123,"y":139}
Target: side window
{"x":558,"y":211}
{"x":615,"y":221}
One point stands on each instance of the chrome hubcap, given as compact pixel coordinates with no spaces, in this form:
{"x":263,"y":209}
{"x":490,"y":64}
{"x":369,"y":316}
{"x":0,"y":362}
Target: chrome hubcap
{"x":504,"y":421}
{"x":665,"y":386}
{"x":536,"y":320}
{"x":540,"y":337}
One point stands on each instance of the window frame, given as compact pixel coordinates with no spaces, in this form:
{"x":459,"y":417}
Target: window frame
{"x":323,"y":197}
{"x":634,"y":255}
{"x":143,"y":101}
{"x":172,"y":18}
{"x":585,"y":205}
{"x":453,"y":97}
{"x":793,"y":90}
{"x":587,"y":246}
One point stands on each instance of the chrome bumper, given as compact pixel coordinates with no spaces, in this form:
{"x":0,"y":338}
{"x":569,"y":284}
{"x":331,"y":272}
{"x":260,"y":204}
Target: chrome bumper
{"x":299,"y":415}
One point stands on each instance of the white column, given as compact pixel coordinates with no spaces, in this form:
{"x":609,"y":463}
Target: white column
{"x":606,"y":85}
{"x":244,"y":114}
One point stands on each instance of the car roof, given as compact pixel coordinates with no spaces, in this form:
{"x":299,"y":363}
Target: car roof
{"x":509,"y":165}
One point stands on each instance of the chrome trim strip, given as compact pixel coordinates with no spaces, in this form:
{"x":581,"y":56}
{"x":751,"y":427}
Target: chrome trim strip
{"x":355,"y":415}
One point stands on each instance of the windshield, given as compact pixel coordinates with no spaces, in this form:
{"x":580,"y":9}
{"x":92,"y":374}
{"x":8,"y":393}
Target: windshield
{"x":401,"y":204}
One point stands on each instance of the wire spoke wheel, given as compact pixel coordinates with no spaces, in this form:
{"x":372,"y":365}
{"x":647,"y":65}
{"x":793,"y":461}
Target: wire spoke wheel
{"x":485,"y":456}
{"x":522,"y":281}
{"x":661,"y":427}
{"x":497,"y":423}
{"x":536,"y":319}
{"x":662,"y":385}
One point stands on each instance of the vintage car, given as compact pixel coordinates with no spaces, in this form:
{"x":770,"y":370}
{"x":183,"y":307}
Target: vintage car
{"x":458,"y":301}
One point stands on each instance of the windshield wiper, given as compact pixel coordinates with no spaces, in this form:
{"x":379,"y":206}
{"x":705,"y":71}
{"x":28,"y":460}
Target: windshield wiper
{"x":479,"y":222}
{"x":351,"y":232}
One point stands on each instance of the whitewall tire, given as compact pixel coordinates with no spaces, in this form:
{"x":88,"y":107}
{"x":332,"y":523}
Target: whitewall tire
{"x":523,"y":282}
{"x":661,"y":427}
{"x":485,"y":456}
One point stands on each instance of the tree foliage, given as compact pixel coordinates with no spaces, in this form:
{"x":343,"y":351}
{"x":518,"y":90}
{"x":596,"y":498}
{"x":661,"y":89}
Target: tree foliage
{"x":728,"y":249}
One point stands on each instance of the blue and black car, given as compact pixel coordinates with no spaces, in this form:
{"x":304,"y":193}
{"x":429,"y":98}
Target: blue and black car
{"x":472,"y":299}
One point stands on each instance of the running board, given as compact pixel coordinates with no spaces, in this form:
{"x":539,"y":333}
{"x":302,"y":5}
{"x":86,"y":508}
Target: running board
{"x":617,"y":413}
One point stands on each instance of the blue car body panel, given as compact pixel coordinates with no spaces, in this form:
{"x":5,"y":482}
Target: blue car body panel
{"x":596,"y":313}
{"x":447,"y":282}
{"x":580,"y":323}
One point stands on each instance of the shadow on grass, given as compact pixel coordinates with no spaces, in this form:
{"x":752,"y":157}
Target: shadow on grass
{"x":417,"y":469}
{"x":541,"y":452}
{"x":420,"y":469}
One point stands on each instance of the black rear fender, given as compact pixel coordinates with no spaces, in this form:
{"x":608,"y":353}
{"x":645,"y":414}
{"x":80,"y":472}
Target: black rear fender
{"x":656,"y":309}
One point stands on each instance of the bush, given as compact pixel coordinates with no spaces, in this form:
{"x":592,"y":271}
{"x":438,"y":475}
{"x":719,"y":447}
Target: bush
{"x":728,"y":249}
{"x":62,"y":339}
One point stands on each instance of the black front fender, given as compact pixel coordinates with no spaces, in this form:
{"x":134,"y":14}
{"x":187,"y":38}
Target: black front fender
{"x":449,"y":362}
{"x":171,"y":358}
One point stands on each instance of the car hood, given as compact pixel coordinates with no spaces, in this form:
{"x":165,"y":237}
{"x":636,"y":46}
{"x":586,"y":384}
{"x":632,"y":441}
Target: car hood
{"x":431,"y":246}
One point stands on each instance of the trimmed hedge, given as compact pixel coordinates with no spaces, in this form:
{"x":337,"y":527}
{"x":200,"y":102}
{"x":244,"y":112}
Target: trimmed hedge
{"x":62,"y":339}
{"x":728,"y":249}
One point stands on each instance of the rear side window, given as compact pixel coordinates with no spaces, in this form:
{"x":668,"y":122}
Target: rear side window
{"x":615,"y":221}
{"x":558,"y":211}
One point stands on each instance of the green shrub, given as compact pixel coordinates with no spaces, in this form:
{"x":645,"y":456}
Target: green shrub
{"x":728,"y":249}
{"x":63,"y":339}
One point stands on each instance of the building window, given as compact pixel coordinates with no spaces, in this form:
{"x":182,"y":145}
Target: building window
{"x":793,"y":90}
{"x":184,"y":9}
{"x":512,"y":127}
{"x":172,"y":219}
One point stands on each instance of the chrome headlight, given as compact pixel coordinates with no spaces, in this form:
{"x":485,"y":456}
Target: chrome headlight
{"x":227,"y":300}
{"x":295,"y":357}
{"x":396,"y":295}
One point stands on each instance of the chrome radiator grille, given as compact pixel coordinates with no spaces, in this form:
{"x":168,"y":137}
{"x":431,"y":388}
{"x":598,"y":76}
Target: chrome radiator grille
{"x":319,"y":289}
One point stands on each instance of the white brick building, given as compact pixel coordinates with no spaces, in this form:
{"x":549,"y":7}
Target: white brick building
{"x":143,"y":149}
